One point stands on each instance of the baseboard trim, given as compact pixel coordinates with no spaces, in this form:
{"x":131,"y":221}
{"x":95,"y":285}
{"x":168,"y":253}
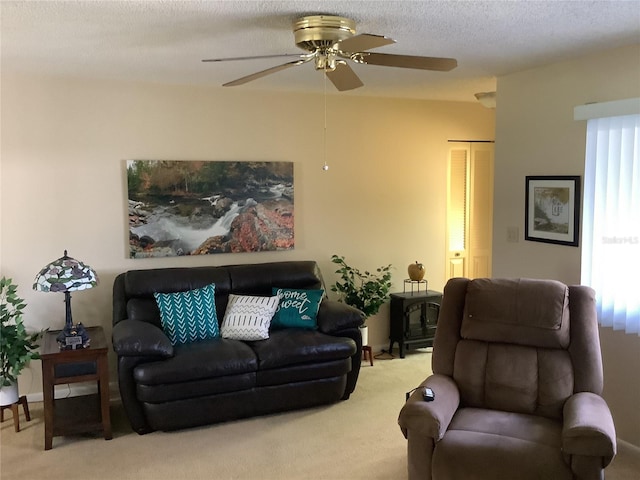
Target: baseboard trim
{"x":635,"y":449}
{"x":377,"y":349}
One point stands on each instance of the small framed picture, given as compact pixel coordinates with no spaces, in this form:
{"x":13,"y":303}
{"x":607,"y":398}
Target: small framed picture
{"x":552,"y":210}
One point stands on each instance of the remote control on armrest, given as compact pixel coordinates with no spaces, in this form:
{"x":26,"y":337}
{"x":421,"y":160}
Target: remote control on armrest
{"x":428,"y":395}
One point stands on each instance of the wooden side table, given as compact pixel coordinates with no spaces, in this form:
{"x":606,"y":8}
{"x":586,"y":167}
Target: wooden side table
{"x":85,"y":413}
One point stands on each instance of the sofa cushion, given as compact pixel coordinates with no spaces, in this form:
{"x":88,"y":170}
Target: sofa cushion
{"x":248,"y":317}
{"x":294,"y":346}
{"x":208,"y":359}
{"x":144,"y":310}
{"x":144,"y":283}
{"x":189,"y":316}
{"x":297,"y":308}
{"x":303,"y":373}
{"x":259,"y":279}
{"x":169,"y":392}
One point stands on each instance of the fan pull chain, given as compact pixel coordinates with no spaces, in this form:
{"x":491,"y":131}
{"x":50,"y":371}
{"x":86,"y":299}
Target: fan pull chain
{"x":325,"y":167}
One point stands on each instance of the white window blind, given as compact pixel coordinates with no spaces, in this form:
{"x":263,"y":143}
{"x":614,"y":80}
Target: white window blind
{"x":611,"y":220}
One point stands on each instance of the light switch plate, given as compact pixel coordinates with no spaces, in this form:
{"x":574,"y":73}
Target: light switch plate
{"x":513,"y":234}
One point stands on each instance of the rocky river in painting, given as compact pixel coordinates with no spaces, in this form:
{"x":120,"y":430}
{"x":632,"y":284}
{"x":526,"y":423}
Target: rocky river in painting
{"x":166,"y":226}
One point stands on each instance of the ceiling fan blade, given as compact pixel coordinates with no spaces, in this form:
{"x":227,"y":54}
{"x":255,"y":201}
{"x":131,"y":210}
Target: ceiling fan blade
{"x":264,"y":73}
{"x":406,"y":61}
{"x":364,"y":41}
{"x":344,"y":78}
{"x":254,"y":57}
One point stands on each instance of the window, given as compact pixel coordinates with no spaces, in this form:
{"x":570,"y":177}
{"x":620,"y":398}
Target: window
{"x":611,"y":220}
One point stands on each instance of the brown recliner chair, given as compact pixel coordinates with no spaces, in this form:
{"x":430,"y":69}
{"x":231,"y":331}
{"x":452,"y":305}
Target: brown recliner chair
{"x":517,"y":379}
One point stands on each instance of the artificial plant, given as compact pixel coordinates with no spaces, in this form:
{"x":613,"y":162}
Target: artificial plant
{"x":17,"y":347}
{"x":365,"y":291}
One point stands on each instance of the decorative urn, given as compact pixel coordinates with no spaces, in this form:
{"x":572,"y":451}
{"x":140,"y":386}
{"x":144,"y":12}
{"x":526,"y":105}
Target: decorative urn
{"x":416,"y":271}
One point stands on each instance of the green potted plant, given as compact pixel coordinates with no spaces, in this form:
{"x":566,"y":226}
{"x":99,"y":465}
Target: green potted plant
{"x":17,"y":347}
{"x":365,"y":291}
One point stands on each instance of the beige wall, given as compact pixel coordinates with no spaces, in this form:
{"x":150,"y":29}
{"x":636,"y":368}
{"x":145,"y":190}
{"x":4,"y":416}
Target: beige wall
{"x":536,"y":135}
{"x":63,"y":182}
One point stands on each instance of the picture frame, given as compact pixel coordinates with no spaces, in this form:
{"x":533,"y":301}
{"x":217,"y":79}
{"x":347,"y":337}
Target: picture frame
{"x":552,"y":209}
{"x":189,"y":207}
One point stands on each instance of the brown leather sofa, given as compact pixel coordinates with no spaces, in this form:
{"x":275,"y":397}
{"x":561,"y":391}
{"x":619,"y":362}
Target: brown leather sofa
{"x":166,"y":387}
{"x":517,"y":379}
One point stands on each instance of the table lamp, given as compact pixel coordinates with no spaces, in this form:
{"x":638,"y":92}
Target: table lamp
{"x":67,"y":275}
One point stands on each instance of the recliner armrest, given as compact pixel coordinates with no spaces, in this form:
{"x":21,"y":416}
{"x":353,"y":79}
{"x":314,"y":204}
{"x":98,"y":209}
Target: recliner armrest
{"x":334,"y":316}
{"x":135,"y":338}
{"x":431,"y":418}
{"x":588,"y":427}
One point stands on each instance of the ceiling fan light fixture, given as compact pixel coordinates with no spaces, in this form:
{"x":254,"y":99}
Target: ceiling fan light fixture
{"x":322,"y":31}
{"x":329,"y":40}
{"x":325,"y":61}
{"x":358,"y":57}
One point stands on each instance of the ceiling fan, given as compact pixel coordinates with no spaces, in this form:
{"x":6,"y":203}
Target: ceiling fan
{"x":330,"y":42}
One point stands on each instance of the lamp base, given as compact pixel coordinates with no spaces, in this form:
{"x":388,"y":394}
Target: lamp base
{"x":73,"y":337}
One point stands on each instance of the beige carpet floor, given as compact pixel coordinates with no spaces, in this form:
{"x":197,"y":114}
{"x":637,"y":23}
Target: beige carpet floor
{"x":355,"y":439}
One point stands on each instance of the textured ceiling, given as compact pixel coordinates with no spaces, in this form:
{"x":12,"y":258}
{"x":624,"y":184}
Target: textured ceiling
{"x":163,"y":41}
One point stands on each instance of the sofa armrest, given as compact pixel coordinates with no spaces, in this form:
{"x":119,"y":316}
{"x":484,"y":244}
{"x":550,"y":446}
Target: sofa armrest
{"x":431,"y":419}
{"x":588,"y":427}
{"x":135,"y":338}
{"x":334,"y":316}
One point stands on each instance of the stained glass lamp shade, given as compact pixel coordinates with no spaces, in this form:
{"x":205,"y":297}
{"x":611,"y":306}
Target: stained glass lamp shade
{"x":66,"y":275}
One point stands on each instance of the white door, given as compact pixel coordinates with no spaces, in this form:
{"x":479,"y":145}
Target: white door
{"x":457,"y":217}
{"x":469,"y":210}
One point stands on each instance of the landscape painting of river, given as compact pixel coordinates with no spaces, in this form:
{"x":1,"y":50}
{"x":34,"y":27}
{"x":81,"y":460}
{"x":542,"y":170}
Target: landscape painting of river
{"x":205,"y":207}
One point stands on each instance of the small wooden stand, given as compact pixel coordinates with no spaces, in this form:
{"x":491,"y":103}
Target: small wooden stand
{"x":366,"y":351}
{"x":16,"y":414}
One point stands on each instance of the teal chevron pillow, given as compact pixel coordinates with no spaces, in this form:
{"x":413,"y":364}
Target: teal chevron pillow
{"x":189,"y":316}
{"x":248,"y":318}
{"x":297,"y":308}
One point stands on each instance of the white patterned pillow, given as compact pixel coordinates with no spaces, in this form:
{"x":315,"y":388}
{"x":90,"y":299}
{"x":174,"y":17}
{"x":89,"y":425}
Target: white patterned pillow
{"x":248,"y":318}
